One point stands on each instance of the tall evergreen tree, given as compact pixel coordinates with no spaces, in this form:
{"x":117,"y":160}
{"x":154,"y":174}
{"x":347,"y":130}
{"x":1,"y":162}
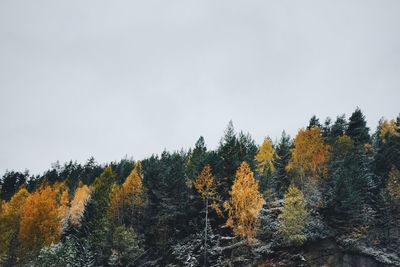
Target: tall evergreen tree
{"x":357,"y":128}
{"x":229,"y":161}
{"x":95,"y":222}
{"x":281,"y":179}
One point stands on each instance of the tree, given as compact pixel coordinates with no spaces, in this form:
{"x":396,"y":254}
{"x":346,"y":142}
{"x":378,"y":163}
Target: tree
{"x":42,"y":216}
{"x":206,"y":186}
{"x":387,"y":129}
{"x":338,"y":129}
{"x":95,"y":223}
{"x":265,"y":157}
{"x":352,"y":184}
{"x":245,"y":203}
{"x":265,"y":162}
{"x":309,"y":155}
{"x":11,"y":182}
{"x":127,"y":199}
{"x":125,"y":247}
{"x":78,"y":204}
{"x":197,"y":158}
{"x":229,"y":161}
{"x":10,"y":214}
{"x":393,"y":185}
{"x":357,"y":128}
{"x":314,"y":122}
{"x":293,"y":217}
{"x":281,"y":180}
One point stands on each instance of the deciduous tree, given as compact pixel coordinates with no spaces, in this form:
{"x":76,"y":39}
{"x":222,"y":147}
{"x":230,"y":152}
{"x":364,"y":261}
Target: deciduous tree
{"x":205,"y":184}
{"x":245,"y":203}
{"x":42,"y":215}
{"x":309,"y":155}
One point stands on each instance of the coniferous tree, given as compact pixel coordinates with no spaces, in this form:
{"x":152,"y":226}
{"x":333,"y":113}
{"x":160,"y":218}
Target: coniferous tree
{"x":281,"y":178}
{"x":228,"y":153}
{"x":338,"y":128}
{"x":95,"y":224}
{"x":294,"y":216}
{"x":314,"y":122}
{"x":357,"y":128}
{"x":11,"y":182}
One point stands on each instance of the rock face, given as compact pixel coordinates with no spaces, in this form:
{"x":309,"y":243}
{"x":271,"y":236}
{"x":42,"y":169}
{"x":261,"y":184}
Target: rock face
{"x":328,"y":253}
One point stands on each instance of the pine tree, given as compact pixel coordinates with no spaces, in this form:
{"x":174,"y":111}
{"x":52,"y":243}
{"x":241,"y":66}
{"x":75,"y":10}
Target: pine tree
{"x":245,"y":203}
{"x":352,"y":183}
{"x":96,"y":226}
{"x":294,"y":216}
{"x":338,"y":129}
{"x":281,"y":179}
{"x":228,"y":153}
{"x":314,"y":122}
{"x":357,"y":128}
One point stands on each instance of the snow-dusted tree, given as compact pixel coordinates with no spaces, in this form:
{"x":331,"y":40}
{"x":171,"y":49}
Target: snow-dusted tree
{"x":293,"y":217}
{"x":125,"y":247}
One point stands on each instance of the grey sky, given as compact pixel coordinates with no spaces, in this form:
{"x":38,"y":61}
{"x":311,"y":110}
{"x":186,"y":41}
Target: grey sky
{"x":116,"y":78}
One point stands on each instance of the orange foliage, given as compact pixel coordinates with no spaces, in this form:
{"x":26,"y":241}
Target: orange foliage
{"x":310,"y":155}
{"x":42,"y":215}
{"x":245,"y":203}
{"x":124,"y":198}
{"x":10,"y":213}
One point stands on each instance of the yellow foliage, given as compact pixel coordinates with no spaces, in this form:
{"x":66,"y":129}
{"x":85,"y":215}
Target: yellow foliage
{"x":129,"y":196}
{"x":293,"y":217}
{"x":265,"y":157}
{"x":393,"y":185}
{"x":245,"y":203}
{"x":132,"y":188}
{"x":309,"y":155}
{"x":388,"y":127}
{"x":10,"y":213}
{"x":360,"y":232}
{"x":205,"y":183}
{"x":41,"y":218}
{"x":78,"y":203}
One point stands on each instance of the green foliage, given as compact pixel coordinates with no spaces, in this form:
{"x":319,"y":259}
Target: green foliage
{"x":352,"y":182}
{"x":280,"y":180}
{"x":95,"y":222}
{"x":125,"y":247}
{"x":357,"y":128}
{"x":294,"y":217}
{"x":59,"y":255}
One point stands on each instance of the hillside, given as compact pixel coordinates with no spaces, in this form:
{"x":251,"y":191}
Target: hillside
{"x":329,"y":196}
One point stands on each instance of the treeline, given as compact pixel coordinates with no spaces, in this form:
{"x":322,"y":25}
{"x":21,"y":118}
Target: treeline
{"x":195,"y":207}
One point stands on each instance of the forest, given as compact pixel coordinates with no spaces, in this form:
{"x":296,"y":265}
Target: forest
{"x":328,"y":196}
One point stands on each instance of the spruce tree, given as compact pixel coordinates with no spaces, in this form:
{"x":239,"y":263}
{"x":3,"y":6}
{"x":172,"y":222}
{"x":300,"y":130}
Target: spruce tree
{"x":357,"y":128}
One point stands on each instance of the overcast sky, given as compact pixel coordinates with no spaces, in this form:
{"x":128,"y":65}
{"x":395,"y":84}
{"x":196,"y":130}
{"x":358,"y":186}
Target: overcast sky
{"x":115,"y":78}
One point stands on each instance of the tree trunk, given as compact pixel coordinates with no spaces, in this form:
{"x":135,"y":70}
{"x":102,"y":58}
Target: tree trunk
{"x":205,"y":234}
